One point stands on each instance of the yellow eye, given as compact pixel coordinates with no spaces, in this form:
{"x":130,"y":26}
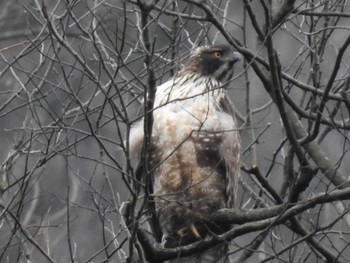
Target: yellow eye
{"x":217,"y":55}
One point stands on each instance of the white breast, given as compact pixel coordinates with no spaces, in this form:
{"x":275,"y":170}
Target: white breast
{"x":183,"y":106}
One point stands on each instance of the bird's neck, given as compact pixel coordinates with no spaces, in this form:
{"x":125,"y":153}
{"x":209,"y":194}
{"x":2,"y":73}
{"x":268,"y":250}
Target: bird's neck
{"x":189,"y":87}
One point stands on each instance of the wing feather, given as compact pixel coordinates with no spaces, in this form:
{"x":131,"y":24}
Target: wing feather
{"x":230,"y":150}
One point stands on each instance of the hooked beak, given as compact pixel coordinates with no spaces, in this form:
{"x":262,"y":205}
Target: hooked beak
{"x":236,"y":57}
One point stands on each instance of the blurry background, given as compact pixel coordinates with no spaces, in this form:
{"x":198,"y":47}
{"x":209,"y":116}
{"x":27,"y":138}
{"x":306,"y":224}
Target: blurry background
{"x":73,"y":74}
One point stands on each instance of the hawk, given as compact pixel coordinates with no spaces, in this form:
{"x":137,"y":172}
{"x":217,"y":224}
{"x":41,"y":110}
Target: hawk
{"x":194,"y":153}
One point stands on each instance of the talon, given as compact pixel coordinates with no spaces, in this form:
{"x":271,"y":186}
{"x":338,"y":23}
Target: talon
{"x":182,"y":231}
{"x":187,"y":230}
{"x":195,"y":231}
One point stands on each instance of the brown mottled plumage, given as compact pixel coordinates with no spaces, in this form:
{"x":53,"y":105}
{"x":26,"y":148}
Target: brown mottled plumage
{"x":195,"y":150}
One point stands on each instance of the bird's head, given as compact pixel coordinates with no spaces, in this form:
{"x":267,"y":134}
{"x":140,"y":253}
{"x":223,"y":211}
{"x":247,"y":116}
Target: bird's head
{"x":213,"y":61}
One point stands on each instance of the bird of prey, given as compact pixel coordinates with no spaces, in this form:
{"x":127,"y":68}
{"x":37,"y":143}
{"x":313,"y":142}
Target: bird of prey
{"x":194,"y":154}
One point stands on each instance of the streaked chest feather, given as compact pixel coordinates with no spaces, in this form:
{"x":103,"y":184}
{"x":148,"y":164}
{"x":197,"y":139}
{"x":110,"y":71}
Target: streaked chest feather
{"x":189,"y":132}
{"x":183,"y":106}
